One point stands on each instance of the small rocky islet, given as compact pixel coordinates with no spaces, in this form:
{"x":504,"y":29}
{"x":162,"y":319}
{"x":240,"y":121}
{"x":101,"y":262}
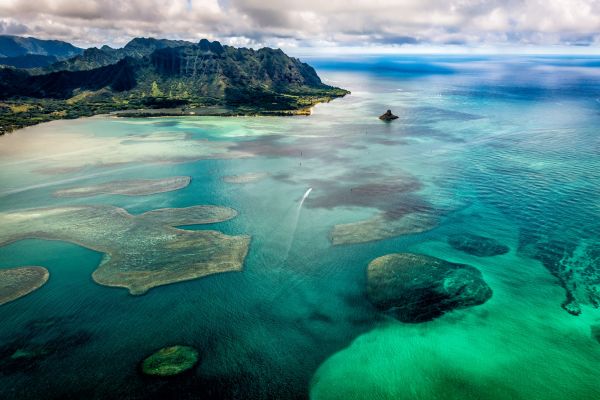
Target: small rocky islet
{"x":476,"y":245}
{"x":170,"y":361}
{"x":18,"y":282}
{"x":417,"y":288}
{"x":388,"y":116}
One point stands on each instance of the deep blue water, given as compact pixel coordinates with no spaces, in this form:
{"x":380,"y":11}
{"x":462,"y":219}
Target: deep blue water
{"x":503,"y":147}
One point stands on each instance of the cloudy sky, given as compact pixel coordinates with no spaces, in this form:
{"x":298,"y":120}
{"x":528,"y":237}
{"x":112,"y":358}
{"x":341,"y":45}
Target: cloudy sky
{"x":403,"y":25}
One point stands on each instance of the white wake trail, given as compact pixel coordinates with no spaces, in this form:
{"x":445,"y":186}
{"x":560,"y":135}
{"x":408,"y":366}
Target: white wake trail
{"x":296,"y":219}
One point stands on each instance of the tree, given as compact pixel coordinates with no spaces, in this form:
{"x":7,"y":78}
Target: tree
{"x":156,"y":90}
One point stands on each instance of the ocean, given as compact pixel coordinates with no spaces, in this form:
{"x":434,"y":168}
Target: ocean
{"x":501,"y":147}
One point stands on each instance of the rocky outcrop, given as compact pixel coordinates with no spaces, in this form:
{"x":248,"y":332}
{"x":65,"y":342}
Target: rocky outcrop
{"x":388,"y":116}
{"x":418,"y":288}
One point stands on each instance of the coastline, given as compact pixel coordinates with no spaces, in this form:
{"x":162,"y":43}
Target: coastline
{"x":30,"y":117}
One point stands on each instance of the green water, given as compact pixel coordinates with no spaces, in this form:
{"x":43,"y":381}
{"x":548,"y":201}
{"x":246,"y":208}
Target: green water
{"x":507,"y":149}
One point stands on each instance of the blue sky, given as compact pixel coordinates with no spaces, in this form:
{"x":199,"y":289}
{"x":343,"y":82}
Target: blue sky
{"x":320,"y":26}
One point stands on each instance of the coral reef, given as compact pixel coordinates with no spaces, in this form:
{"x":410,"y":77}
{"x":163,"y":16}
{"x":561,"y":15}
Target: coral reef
{"x":475,"y":245}
{"x":141,"y":252}
{"x":418,"y":288}
{"x":18,"y":282}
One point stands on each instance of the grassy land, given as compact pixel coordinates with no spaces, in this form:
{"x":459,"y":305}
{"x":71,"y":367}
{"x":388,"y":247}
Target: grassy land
{"x":19,"y":113}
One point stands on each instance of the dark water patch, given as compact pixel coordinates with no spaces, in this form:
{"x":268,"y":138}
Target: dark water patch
{"x":324,"y":148}
{"x":386,"y":196}
{"x":41,"y":341}
{"x":365,"y":187}
{"x":382,"y":187}
{"x":595,"y":331}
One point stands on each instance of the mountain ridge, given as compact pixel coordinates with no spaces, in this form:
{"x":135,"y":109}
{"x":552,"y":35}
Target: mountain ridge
{"x":28,"y":52}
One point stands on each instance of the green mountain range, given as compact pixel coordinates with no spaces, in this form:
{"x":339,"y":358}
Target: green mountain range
{"x":162,"y":77}
{"x":28,"y":52}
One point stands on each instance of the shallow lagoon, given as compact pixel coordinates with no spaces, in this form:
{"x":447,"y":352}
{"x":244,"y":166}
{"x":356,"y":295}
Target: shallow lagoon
{"x":505,"y":149}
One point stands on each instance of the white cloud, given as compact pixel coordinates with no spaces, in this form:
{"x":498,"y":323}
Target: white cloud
{"x":310,"y":22}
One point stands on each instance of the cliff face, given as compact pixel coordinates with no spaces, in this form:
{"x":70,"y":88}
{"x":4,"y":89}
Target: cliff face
{"x":178,"y":71}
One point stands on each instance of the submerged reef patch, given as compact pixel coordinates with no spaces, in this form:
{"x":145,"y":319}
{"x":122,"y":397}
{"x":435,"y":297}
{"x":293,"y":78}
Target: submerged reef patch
{"x":140,"y":252}
{"x":475,"y":245}
{"x":18,"y":282}
{"x":380,"y":227}
{"x":195,"y":215}
{"x":392,"y":192}
{"x":138,"y":187}
{"x":576,"y":266}
{"x":170,"y":361}
{"x":418,"y":288}
{"x":249,"y":177}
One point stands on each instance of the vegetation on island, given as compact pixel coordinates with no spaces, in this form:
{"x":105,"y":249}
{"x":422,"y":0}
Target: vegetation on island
{"x":151,"y":77}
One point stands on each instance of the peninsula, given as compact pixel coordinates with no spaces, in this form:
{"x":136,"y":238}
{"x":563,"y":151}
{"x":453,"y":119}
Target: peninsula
{"x":160,"y":77}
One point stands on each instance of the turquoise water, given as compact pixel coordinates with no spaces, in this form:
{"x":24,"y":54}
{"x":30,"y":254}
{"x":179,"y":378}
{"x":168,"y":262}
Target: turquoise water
{"x":506,"y":148}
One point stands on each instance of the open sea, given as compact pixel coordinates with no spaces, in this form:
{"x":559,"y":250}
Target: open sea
{"x":506,"y":148}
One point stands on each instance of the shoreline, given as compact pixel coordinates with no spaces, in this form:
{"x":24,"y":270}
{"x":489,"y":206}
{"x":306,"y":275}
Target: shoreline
{"x":33,"y":119}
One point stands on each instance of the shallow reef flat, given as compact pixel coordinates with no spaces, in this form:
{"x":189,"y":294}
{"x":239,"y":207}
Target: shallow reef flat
{"x":250,"y":177}
{"x":195,"y":215}
{"x":140,"y":252}
{"x":73,"y":151}
{"x":18,"y":282}
{"x":137,"y":187}
{"x":380,"y":227}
